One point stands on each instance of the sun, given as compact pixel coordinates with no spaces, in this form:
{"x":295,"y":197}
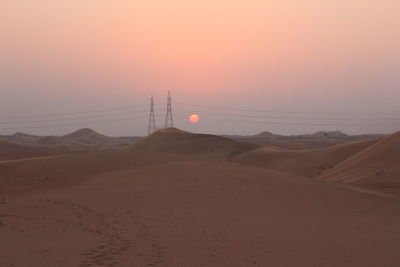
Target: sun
{"x":194,"y":118}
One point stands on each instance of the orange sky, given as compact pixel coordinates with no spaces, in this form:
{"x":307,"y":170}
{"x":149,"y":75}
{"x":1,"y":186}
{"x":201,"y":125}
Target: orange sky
{"x":248,"y":53}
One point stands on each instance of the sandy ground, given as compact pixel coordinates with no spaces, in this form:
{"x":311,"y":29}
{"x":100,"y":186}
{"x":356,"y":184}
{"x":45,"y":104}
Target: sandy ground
{"x":167,"y":211}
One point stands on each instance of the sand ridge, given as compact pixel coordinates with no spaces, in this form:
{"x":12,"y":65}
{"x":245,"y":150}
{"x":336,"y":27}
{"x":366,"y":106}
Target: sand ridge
{"x":177,"y":141}
{"x":378,"y":165}
{"x":310,"y":163}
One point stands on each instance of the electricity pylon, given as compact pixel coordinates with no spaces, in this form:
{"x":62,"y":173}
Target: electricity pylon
{"x":169,"y":122}
{"x":152,"y":122}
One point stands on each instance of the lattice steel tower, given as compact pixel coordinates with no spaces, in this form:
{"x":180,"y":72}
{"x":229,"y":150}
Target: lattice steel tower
{"x":152,"y":122}
{"x":169,"y":121}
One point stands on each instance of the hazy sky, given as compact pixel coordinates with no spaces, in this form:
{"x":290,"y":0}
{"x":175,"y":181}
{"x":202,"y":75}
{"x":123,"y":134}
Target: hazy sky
{"x":286,"y":66}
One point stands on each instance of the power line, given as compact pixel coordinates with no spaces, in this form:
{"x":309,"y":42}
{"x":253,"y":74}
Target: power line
{"x":74,"y":124}
{"x":207,"y":107}
{"x":255,"y":116}
{"x":290,"y":112}
{"x":286,"y":123}
{"x":83,"y":116}
{"x":70,"y":119}
{"x":289,"y":117}
{"x":74,"y":113}
{"x":180,"y":115}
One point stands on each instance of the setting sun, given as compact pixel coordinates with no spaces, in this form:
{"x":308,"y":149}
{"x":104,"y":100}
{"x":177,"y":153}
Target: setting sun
{"x":194,"y":118}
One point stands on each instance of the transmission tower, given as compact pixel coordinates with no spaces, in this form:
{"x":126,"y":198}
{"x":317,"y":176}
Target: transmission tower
{"x":169,"y":122}
{"x":152,"y":122}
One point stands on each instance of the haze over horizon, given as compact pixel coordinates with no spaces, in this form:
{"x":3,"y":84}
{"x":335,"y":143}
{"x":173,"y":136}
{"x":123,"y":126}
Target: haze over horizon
{"x":287,"y":67}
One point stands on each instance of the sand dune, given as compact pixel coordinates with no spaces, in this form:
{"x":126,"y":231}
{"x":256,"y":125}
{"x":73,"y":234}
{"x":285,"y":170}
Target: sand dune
{"x":31,"y":175}
{"x":86,"y":140}
{"x":378,"y":165}
{"x":49,"y":140}
{"x":91,"y":137}
{"x":70,"y":145}
{"x":317,"y":140}
{"x":20,"y":145}
{"x":20,"y":138}
{"x":331,"y":134}
{"x":176,"y":141}
{"x":308,"y":163}
{"x":165,"y":210}
{"x":9,"y":151}
{"x":261,"y":135}
{"x":174,"y":200}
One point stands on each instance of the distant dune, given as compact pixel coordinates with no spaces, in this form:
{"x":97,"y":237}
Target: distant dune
{"x":73,"y":146}
{"x":316,"y":140}
{"x":264,"y":134}
{"x":302,"y":162}
{"x":49,"y":140}
{"x":20,"y":138}
{"x":91,"y":137}
{"x":332,"y":134}
{"x":86,"y":140}
{"x":21,"y":145}
{"x":378,"y":165}
{"x":10,"y":151}
{"x":176,"y":141}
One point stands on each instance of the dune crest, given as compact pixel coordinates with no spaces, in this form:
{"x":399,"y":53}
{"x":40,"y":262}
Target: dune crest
{"x":21,"y":145}
{"x":377,"y":165}
{"x":10,"y":151}
{"x":173,"y":140}
{"x":90,"y":137}
{"x":308,"y":163}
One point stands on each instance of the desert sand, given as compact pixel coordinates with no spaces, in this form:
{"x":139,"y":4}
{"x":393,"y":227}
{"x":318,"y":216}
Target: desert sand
{"x":22,"y":146}
{"x":181,"y":199}
{"x":305,"y":162}
{"x":378,"y":165}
